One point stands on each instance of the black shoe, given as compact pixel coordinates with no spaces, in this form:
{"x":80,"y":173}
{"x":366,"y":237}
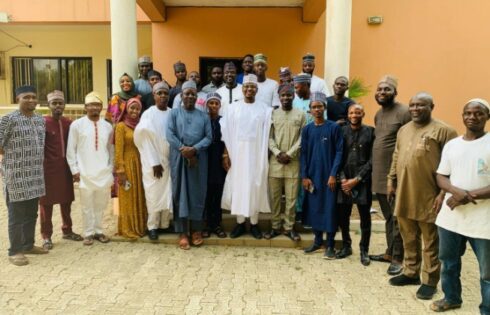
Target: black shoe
{"x":402,"y":280}
{"x":238,"y":230}
{"x":255,"y":231}
{"x":270,"y":235}
{"x":365,"y":260}
{"x":153,"y":234}
{"x":381,"y":258}
{"x":329,"y":253}
{"x":312,"y":249}
{"x":426,"y":292}
{"x":344,"y":252}
{"x":394,"y":269}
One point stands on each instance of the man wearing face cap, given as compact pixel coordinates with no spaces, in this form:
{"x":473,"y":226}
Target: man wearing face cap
{"x":90,"y":155}
{"x":151,"y":141}
{"x":388,"y":120}
{"x":142,"y":86}
{"x":464,"y":173}
{"x":189,"y":135}
{"x":180,"y":72}
{"x":22,"y":135}
{"x":232,"y":91}
{"x":245,"y":128}
{"x":57,"y":175}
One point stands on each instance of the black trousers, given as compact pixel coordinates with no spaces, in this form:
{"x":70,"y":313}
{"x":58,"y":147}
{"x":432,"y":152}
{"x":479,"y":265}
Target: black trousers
{"x":394,"y":239}
{"x":212,"y":210}
{"x":345,"y":211}
{"x":22,"y":216}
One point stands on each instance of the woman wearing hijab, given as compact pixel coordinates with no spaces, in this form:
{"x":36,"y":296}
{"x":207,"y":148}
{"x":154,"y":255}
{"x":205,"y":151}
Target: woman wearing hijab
{"x":132,"y":205}
{"x":119,"y":99}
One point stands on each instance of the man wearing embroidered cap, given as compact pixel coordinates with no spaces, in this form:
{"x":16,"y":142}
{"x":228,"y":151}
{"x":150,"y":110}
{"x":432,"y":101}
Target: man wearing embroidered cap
{"x":151,"y":141}
{"x":180,"y":72}
{"x":284,"y":143}
{"x":464,"y":173}
{"x":301,"y":101}
{"x":189,"y":135}
{"x":317,"y":84}
{"x":90,"y":155}
{"x":245,"y":127}
{"x":232,"y":91}
{"x":216,"y":171}
{"x":142,"y":85}
{"x":22,"y":135}
{"x":388,"y":120}
{"x":285,"y":76}
{"x":57,"y":175}
{"x":267,"y":88}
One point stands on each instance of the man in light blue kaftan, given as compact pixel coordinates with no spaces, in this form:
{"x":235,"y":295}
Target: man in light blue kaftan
{"x":189,"y":135}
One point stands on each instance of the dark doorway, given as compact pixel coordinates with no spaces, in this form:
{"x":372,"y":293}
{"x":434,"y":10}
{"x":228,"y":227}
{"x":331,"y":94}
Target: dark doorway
{"x":108,"y":67}
{"x":206,"y":64}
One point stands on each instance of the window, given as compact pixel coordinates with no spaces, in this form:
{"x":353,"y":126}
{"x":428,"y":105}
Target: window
{"x":72,"y":75}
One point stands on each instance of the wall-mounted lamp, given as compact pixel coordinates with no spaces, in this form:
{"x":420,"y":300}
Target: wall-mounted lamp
{"x":375,"y":20}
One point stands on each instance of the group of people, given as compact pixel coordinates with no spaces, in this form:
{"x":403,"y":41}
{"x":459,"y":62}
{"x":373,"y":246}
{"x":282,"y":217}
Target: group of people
{"x":245,"y":143}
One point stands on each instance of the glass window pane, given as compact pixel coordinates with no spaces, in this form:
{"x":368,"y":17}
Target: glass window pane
{"x":46,"y":77}
{"x":79,"y":80}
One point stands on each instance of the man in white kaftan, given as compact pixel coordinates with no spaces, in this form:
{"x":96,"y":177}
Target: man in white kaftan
{"x":245,"y":130}
{"x":150,"y":139}
{"x":317,"y":84}
{"x":267,"y":88}
{"x":90,"y":155}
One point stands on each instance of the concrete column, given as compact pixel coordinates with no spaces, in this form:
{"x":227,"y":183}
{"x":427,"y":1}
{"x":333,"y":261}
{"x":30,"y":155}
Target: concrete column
{"x":338,"y":38}
{"x":124,"y":40}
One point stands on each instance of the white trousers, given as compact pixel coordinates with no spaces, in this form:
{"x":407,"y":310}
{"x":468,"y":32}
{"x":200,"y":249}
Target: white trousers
{"x":94,"y":203}
{"x":159,"y":219}
{"x":254,"y":219}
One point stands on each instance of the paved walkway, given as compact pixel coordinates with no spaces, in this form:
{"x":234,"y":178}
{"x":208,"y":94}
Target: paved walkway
{"x":142,"y":278}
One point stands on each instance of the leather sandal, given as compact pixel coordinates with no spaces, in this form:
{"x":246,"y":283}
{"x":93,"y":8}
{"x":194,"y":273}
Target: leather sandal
{"x":197,"y":239}
{"x":293,"y":235}
{"x":272,"y":234}
{"x":184,"y":242}
{"x":219,"y":232}
{"x":443,"y":305}
{"x":101,"y":238}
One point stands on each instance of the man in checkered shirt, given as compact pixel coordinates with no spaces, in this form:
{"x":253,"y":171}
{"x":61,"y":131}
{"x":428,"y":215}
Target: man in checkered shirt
{"x":22,"y":135}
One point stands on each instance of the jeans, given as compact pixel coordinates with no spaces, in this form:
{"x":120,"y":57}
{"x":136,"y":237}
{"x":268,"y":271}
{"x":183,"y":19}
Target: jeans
{"x":22,"y":216}
{"x":451,"y":247}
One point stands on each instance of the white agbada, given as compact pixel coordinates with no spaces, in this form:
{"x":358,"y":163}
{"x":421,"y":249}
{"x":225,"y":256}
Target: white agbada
{"x":319,"y":85}
{"x":90,"y":152}
{"x":267,"y":93}
{"x":245,"y":130}
{"x":150,"y":139}
{"x":227,"y":99}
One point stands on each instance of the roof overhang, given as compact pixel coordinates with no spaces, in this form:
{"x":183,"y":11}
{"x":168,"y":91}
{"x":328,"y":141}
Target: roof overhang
{"x":156,"y":9}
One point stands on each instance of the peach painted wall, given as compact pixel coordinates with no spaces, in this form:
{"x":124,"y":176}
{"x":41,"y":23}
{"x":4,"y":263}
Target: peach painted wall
{"x":438,"y":46}
{"x":64,"y":11}
{"x":279,"y":33}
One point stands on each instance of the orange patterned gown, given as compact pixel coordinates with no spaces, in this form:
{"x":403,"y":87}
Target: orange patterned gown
{"x":132,"y":206}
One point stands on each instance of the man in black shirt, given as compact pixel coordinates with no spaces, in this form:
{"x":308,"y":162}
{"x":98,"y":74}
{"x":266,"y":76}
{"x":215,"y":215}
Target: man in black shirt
{"x":337,"y":104}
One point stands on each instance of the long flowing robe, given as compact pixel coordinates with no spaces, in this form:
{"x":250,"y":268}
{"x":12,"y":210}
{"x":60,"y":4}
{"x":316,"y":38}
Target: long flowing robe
{"x":151,"y":141}
{"x":192,"y":129}
{"x":321,"y":157}
{"x":245,"y":130}
{"x":229,"y":96}
{"x":57,"y":176}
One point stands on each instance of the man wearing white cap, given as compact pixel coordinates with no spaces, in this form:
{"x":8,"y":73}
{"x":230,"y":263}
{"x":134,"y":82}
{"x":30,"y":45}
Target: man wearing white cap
{"x":267,"y":88}
{"x":57,"y":175}
{"x":149,"y":137}
{"x":245,"y":129}
{"x":464,"y":172}
{"x":90,"y":155}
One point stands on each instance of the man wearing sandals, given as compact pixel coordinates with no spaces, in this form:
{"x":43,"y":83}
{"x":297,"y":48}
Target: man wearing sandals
{"x":189,"y":135}
{"x":90,"y":155}
{"x":284,"y":143}
{"x":22,"y":146}
{"x":464,"y":172}
{"x":57,"y":175}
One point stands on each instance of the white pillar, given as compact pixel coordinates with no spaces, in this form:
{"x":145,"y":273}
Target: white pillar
{"x":124,"y":40}
{"x":338,"y":37}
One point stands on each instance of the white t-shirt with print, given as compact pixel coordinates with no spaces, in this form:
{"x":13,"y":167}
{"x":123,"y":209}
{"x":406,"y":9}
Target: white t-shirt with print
{"x":467,"y":163}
